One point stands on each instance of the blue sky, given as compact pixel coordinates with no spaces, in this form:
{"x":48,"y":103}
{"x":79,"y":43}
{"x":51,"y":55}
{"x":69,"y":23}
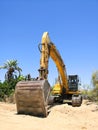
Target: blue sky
{"x":72,"y":26}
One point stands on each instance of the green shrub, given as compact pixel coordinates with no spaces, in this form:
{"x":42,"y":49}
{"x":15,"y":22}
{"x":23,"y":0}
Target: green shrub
{"x":7,"y":88}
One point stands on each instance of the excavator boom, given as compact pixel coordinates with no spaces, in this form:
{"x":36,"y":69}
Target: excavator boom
{"x":49,"y":50}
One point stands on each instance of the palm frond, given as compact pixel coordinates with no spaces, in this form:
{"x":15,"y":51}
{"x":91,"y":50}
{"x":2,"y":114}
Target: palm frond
{"x":11,"y":66}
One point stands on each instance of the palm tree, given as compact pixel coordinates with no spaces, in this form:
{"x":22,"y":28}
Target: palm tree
{"x":12,"y":67}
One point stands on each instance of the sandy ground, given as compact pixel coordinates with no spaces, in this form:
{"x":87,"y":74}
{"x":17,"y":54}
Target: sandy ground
{"x":61,"y":117}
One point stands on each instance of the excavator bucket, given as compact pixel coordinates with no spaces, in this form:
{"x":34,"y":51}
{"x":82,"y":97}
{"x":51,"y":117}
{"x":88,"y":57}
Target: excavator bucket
{"x":32,"y":97}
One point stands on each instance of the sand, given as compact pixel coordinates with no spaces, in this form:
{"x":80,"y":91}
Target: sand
{"x":61,"y":117}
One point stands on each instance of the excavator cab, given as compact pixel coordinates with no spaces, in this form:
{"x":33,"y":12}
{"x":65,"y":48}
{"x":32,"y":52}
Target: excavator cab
{"x":73,"y":82}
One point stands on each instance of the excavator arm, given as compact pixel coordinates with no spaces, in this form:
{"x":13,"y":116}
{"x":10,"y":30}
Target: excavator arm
{"x":48,"y":50}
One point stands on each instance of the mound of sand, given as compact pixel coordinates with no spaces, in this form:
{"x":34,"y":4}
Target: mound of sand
{"x":61,"y":117}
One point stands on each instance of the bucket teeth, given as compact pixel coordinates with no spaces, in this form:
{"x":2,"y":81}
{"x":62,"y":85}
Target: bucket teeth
{"x":32,"y":97}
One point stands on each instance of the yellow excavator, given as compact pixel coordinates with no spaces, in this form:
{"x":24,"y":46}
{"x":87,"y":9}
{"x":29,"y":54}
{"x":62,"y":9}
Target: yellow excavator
{"x":33,"y":96}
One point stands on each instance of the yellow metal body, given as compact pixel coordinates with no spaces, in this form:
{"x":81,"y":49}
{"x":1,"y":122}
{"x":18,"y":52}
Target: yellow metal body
{"x":56,"y":89}
{"x":49,"y":50}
